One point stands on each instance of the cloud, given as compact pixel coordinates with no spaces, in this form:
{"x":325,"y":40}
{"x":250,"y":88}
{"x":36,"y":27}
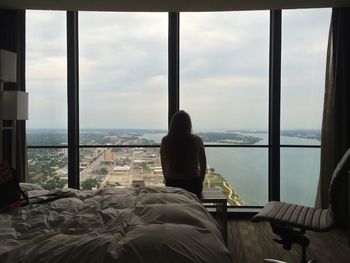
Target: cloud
{"x":47,"y":111}
{"x":158,"y":81}
{"x":224,"y":56}
{"x":230,"y":110}
{"x":48,"y":70}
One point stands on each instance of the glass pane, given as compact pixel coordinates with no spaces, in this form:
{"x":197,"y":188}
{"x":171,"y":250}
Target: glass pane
{"x":122,"y":167}
{"x":304,"y":50}
{"x":223,"y":71}
{"x":45,"y":137}
{"x":300,"y":168}
{"x":123,"y":71}
{"x":48,"y":167}
{"x":244,"y":171}
{"x":46,"y":75}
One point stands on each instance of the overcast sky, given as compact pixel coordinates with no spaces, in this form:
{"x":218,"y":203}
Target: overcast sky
{"x":223,"y":69}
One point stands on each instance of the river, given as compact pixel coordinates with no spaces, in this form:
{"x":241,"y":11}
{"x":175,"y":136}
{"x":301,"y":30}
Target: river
{"x":246,"y":169}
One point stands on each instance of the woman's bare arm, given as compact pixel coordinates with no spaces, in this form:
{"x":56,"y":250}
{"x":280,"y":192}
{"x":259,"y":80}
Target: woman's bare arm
{"x":163,"y":158}
{"x":202,"y":161}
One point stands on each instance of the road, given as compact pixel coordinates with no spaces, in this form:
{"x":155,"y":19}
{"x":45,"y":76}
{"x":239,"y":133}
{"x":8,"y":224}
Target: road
{"x":87,"y":172}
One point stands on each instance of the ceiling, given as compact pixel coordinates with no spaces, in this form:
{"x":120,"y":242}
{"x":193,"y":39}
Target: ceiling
{"x":168,"y":5}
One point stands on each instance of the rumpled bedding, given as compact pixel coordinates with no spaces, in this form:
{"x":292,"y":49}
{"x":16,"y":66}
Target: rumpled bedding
{"x":148,"y":224}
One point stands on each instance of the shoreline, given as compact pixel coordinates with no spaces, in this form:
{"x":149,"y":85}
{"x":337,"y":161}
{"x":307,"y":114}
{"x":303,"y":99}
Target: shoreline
{"x":215,"y":180}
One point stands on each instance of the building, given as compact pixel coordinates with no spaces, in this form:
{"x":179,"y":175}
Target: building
{"x":124,"y":168}
{"x":109,"y":156}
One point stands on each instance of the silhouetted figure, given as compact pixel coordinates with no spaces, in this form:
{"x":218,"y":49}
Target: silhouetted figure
{"x":182,"y":155}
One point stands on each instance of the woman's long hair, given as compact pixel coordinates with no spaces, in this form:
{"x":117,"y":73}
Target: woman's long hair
{"x":178,"y":141}
{"x":180,"y":125}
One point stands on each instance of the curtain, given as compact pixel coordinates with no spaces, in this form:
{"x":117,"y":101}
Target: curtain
{"x":336,"y":113}
{"x":21,"y":144}
{"x":12,"y":32}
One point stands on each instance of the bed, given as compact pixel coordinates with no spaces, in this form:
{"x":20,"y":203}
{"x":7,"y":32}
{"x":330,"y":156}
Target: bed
{"x":147,"y":224}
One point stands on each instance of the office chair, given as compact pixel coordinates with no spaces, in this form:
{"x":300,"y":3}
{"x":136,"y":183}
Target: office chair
{"x":290,"y":221}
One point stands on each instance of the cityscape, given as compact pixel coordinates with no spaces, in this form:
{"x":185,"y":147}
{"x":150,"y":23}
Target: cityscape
{"x":116,"y":166}
{"x":119,"y":163}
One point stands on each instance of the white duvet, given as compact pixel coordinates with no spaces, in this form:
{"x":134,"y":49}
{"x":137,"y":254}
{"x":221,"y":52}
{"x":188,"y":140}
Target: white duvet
{"x":149,"y":224}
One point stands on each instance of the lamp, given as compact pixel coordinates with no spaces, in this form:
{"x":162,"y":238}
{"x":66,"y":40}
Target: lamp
{"x":13,"y":103}
{"x":8,"y":67}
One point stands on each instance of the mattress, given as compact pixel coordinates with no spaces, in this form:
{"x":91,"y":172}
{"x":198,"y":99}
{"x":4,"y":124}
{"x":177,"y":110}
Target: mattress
{"x":148,"y":224}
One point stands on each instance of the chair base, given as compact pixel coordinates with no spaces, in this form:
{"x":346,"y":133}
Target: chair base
{"x":289,"y":236}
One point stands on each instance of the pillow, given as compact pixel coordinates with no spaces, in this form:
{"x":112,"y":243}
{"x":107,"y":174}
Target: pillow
{"x":30,"y":187}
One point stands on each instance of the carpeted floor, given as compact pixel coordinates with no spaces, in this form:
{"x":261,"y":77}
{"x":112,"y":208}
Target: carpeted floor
{"x":252,"y":242}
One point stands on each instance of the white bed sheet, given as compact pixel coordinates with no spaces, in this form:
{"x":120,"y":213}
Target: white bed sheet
{"x":149,"y":224}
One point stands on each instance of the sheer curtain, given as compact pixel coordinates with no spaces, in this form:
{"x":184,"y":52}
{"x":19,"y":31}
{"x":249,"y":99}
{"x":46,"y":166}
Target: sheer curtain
{"x":336,"y":115}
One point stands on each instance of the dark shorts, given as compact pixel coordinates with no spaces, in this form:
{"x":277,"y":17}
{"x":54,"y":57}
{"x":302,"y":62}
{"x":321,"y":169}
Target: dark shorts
{"x":193,"y":185}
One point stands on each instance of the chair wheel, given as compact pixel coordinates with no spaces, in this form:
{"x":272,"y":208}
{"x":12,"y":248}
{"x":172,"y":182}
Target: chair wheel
{"x":268,"y":260}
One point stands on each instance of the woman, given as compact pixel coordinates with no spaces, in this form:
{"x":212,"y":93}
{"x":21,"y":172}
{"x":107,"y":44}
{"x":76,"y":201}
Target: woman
{"x":182,"y":155}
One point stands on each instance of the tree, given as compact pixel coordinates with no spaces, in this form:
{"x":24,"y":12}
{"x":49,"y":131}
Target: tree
{"x":88,"y":184}
{"x":103,"y":170}
{"x":54,"y":182}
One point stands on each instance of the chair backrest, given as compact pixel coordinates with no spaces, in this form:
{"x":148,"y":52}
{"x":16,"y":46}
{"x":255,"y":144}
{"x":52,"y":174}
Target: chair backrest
{"x":338,"y":188}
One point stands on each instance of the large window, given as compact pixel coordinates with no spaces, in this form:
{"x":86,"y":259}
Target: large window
{"x":223,"y":71}
{"x":46,"y":82}
{"x":304,"y":48}
{"x":123,"y":95}
{"x":224,"y":85}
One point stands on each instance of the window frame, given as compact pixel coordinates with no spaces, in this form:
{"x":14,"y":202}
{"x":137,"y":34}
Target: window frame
{"x":274,"y":105}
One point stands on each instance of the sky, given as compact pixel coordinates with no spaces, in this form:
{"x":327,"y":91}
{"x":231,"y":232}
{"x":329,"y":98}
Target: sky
{"x":224,"y":60}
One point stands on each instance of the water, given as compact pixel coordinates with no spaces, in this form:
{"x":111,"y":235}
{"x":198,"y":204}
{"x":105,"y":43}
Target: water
{"x":246,"y":169}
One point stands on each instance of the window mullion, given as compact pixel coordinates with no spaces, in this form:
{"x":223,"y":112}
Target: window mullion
{"x":73,"y":99}
{"x":274,"y":104}
{"x":173,"y":64}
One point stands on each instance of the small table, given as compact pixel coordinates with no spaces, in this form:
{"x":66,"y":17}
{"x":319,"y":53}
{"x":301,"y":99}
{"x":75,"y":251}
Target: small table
{"x":217,"y":197}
